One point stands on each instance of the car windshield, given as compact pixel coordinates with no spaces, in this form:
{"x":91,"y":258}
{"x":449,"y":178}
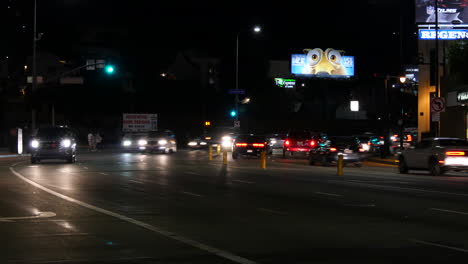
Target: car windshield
{"x":53,"y":132}
{"x":299,"y":135}
{"x":452,"y":143}
{"x":250,"y":139}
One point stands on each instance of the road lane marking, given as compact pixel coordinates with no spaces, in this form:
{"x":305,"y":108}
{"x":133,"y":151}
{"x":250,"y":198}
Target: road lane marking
{"x":135,"y":181}
{"x":38,"y":216}
{"x":272,"y":211}
{"x":193,"y":173}
{"x":103,"y":173}
{"x":449,"y":211}
{"x":438,"y":245}
{"x":379,"y":186}
{"x":218,"y":252}
{"x":241,"y":181}
{"x":360,"y":205}
{"x":329,"y":194}
{"x":193,"y":194}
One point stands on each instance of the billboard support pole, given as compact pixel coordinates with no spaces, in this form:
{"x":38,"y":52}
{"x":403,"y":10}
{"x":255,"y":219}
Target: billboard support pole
{"x":437,"y":88}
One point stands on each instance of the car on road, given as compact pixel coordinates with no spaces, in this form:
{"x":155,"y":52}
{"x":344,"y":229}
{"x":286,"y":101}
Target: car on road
{"x":369,"y":142}
{"x":438,"y":155}
{"x":197,"y":143}
{"x":328,"y":151}
{"x":276,"y":141}
{"x":53,"y":143}
{"x":299,"y":141}
{"x":249,"y":145}
{"x":154,"y":141}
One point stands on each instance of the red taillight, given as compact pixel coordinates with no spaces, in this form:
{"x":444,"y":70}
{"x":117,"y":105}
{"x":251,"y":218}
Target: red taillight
{"x":368,"y":143}
{"x":258,"y":145}
{"x":287,"y":143}
{"x":409,"y":138}
{"x":241,"y":144}
{"x":332,"y":149}
{"x":455,"y":153}
{"x":313,"y":143}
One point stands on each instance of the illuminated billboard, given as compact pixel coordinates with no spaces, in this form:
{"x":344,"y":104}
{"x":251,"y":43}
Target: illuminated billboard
{"x":319,"y":63}
{"x":444,"y":34}
{"x":450,"y":12}
{"x":285,"y":83}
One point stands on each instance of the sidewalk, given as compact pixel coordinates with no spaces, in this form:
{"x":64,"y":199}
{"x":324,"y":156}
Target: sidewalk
{"x":4,"y":153}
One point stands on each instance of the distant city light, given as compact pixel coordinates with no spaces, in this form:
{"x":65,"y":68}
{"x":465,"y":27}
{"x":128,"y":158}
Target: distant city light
{"x":257,"y":29}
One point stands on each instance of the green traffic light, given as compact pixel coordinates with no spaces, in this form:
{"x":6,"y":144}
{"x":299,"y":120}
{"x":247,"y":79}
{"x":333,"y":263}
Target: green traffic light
{"x":233,"y":113}
{"x":109,"y":69}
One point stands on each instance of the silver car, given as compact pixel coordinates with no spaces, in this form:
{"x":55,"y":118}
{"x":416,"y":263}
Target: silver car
{"x":438,"y":155}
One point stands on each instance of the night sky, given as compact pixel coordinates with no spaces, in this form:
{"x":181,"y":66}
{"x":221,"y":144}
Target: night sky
{"x":155,"y":30}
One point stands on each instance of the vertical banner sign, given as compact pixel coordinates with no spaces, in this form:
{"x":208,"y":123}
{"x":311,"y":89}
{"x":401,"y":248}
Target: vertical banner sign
{"x":139,"y":122}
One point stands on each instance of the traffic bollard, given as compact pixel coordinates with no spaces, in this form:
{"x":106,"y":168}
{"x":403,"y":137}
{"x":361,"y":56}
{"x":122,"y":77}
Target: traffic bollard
{"x":210,"y":152}
{"x":340,"y":165}
{"x":225,"y":157}
{"x":218,"y":149}
{"x":263,"y":159}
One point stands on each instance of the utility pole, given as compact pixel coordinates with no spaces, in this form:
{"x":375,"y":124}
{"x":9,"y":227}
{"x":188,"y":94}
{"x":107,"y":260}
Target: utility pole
{"x":34,"y":70}
{"x":437,"y":90}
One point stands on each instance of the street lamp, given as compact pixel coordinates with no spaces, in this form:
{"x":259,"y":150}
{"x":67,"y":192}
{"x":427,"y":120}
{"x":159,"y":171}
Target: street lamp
{"x":256,"y":29}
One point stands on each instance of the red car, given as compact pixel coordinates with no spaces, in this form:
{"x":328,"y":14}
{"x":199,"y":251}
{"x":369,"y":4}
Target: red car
{"x":299,"y":141}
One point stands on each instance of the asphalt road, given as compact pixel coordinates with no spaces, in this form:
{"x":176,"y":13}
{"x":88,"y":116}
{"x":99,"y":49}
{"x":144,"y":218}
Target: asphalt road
{"x":114,"y":207}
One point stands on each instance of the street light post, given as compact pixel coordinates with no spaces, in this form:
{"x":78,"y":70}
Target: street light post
{"x":256,"y":29}
{"x":34,"y":73}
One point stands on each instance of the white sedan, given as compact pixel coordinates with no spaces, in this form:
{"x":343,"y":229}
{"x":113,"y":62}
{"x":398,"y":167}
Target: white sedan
{"x":438,"y":155}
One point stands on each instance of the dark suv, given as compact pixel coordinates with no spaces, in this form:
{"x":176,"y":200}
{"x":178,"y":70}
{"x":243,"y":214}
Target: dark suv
{"x":53,"y":143}
{"x":299,"y":141}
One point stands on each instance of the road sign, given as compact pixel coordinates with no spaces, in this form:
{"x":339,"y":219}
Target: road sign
{"x":234,"y":91}
{"x":435,"y":117}
{"x":437,"y":105}
{"x":236,"y":123}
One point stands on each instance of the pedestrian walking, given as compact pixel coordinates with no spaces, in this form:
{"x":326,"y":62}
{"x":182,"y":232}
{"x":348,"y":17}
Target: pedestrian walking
{"x":91,"y":142}
{"x":98,"y":140}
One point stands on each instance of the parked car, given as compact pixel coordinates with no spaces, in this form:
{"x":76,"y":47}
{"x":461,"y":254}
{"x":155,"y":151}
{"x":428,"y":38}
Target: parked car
{"x":299,"y":141}
{"x":249,"y":145}
{"x":155,"y":141}
{"x":53,"y":143}
{"x":438,"y":155}
{"x":328,"y":151}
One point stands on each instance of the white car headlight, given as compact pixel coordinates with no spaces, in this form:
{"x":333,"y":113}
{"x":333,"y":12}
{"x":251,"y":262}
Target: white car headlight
{"x":192,"y":143}
{"x":34,"y":144}
{"x":226,"y":144}
{"x":162,"y":142}
{"x":226,"y":138}
{"x":142,"y":142}
{"x":127,"y":143}
{"x":66,"y":143}
{"x":203,"y":143}
{"x":273,"y":142}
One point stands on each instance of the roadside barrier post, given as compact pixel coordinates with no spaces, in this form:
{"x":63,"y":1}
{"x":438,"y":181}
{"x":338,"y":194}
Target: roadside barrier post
{"x":340,"y":165}
{"x":210,"y":152}
{"x":263,"y":159}
{"x":218,"y":149}
{"x":225,"y":157}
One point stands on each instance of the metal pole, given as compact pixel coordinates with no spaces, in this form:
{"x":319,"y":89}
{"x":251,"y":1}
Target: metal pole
{"x":236,"y":98}
{"x":437,"y":90}
{"x":34,"y":73}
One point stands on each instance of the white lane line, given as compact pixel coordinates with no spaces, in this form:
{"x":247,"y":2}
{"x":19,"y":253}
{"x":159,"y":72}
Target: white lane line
{"x":182,"y":239}
{"x":360,"y":205}
{"x":241,"y":181}
{"x":135,"y":181}
{"x":272,"y":211}
{"x":379,"y":186}
{"x":329,"y":194}
{"x":103,"y":173}
{"x":438,"y":245}
{"x":449,"y":211}
{"x":193,"y":194}
{"x":38,"y":216}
